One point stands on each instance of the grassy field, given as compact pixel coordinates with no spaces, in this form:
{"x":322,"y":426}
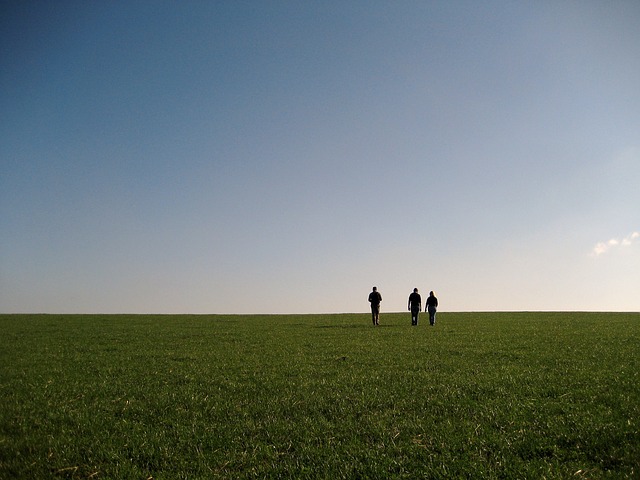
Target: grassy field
{"x":481,"y":395}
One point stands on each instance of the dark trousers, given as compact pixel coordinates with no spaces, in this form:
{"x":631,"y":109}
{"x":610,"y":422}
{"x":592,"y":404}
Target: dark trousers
{"x":375,"y":314}
{"x":414,"y":316}
{"x":432,"y":315}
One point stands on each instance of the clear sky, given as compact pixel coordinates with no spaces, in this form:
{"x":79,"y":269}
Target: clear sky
{"x":284,"y":157}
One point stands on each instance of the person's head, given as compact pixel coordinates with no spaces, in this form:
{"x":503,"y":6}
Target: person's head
{"x":415,"y":290}
{"x":375,"y":289}
{"x":431,"y":293}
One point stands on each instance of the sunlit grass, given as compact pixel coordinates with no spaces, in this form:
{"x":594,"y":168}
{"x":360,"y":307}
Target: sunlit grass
{"x":503,"y":395}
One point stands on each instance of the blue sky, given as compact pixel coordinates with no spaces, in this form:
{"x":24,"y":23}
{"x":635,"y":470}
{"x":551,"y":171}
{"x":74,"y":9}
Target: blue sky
{"x":284,"y":157}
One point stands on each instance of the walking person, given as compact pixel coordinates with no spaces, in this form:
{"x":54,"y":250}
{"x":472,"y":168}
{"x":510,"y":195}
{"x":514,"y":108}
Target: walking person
{"x":414,"y":306}
{"x":431,"y":307}
{"x":375,"y":298}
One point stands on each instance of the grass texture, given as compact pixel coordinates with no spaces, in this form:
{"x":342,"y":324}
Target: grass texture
{"x":480,"y":395}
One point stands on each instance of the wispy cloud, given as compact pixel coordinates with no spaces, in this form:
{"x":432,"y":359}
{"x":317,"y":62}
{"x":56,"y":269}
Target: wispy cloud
{"x":604,"y":247}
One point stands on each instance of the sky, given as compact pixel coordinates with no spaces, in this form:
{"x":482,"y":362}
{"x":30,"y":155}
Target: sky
{"x":286,"y":156}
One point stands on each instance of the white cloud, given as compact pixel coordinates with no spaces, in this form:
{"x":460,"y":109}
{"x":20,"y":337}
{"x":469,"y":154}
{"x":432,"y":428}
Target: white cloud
{"x":603,"y":247}
{"x":599,"y":249}
{"x":629,"y":239}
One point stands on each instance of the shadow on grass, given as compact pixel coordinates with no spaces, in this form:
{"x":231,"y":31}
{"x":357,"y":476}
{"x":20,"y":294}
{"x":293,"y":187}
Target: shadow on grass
{"x":356,"y":326}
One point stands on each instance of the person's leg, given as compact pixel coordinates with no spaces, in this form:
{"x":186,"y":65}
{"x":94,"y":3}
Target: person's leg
{"x":414,"y":316}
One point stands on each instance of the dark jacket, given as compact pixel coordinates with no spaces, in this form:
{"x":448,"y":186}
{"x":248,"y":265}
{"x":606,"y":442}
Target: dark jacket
{"x":415,"y":301}
{"x":432,"y":301}
{"x":375,"y":298}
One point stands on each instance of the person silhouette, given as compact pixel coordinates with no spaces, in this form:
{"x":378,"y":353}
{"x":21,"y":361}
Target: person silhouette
{"x":414,"y":306}
{"x":375,"y":298}
{"x":431,"y":307}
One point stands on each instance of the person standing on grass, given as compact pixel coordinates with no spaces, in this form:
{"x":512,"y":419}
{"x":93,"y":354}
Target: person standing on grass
{"x":431,"y":307}
{"x":375,"y":298}
{"x":415,"y":305}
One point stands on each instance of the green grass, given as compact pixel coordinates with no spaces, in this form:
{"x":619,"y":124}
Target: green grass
{"x":481,"y":395}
